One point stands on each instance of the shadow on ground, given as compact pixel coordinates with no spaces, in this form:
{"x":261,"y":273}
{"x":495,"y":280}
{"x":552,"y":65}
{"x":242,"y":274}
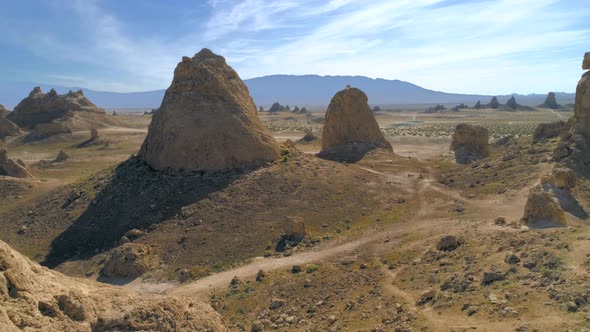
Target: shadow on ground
{"x":567,"y":201}
{"x":135,"y":197}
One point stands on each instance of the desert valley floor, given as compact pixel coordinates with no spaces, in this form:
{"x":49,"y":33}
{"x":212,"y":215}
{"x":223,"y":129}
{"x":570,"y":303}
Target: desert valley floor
{"x":400,"y":241}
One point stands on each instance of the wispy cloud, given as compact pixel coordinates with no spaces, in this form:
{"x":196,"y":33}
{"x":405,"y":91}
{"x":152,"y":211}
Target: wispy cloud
{"x":450,"y":45}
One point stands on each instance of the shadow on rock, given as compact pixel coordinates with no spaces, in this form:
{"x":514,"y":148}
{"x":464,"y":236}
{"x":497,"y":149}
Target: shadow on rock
{"x":135,"y":197}
{"x":348,"y":153}
{"x":567,"y":201}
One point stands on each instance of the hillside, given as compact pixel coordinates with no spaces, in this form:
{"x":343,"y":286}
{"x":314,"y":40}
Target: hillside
{"x":305,"y":90}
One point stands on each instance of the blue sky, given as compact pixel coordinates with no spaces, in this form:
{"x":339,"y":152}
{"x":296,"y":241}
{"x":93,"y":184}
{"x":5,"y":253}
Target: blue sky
{"x":485,"y":46}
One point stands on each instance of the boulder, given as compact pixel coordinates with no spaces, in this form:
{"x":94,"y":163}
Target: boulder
{"x":51,"y":113}
{"x":34,"y":298}
{"x":545,"y":131}
{"x":308,"y":137}
{"x":130,"y":260}
{"x":294,"y":228}
{"x":93,"y":133}
{"x":542,"y":210}
{"x":207,"y":121}
{"x":586,"y":62}
{"x":470,"y":143}
{"x":563,"y":178}
{"x":61,"y":156}
{"x":8,"y":128}
{"x":350,"y":120}
{"x":448,"y":243}
{"x":13,"y":168}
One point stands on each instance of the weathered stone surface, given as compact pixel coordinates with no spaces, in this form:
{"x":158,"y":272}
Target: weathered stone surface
{"x":13,"y":168}
{"x":551,"y":101}
{"x":542,"y":210}
{"x":294,"y":228}
{"x":207,"y":121}
{"x":51,"y":113}
{"x":545,"y":131}
{"x":494,"y":104}
{"x":470,"y":143}
{"x":8,"y":128}
{"x":349,"y":119}
{"x":448,"y":243}
{"x":511,"y":103}
{"x":61,"y":156}
{"x":130,"y":260}
{"x":34,"y":298}
{"x":563,"y":178}
{"x":3,"y":111}
{"x":586,"y":62}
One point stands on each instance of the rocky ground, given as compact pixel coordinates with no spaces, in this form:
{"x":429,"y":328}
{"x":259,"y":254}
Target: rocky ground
{"x":373,"y":260}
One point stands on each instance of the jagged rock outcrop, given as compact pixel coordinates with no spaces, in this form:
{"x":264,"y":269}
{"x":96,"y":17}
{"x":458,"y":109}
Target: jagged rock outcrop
{"x":574,"y":151}
{"x":586,"y":61}
{"x":542,"y":210}
{"x":49,"y":114}
{"x":3,"y":111}
{"x":550,"y":102}
{"x":349,"y":122}
{"x":545,"y":131}
{"x":562,"y":178}
{"x":13,"y":168}
{"x":207,"y":121}
{"x":308,"y":137}
{"x":34,"y":298}
{"x":130,"y":260}
{"x":8,"y":128}
{"x":470,"y":143}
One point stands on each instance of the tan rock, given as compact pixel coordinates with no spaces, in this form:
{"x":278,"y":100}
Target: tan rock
{"x":7,"y":128}
{"x":545,"y":131}
{"x":93,"y":133}
{"x":586,"y":62}
{"x":582,"y":107}
{"x":3,"y":111}
{"x":130,"y":260}
{"x":61,"y":156}
{"x":563,"y":178}
{"x":542,"y":210}
{"x":51,"y":113}
{"x":13,"y":168}
{"x":294,"y":228}
{"x":470,"y":143}
{"x":34,"y":298}
{"x":350,"y":120}
{"x":207,"y":121}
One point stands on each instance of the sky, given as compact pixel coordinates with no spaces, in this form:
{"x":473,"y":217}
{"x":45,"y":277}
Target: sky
{"x":461,"y":46}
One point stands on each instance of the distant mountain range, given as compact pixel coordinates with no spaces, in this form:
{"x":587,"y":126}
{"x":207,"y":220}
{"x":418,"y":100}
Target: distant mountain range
{"x":305,"y":90}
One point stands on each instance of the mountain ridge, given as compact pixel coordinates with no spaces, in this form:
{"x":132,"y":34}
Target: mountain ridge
{"x":302,"y":90}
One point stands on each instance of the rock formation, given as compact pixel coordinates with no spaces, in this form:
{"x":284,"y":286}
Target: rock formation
{"x":294,"y":228}
{"x":542,"y":210}
{"x":350,"y":122}
{"x":494,"y":104}
{"x":130,"y":260}
{"x":51,"y":113}
{"x":3,"y":111}
{"x":562,"y":178}
{"x":511,"y":103}
{"x":545,"y":131}
{"x":477,"y":105}
{"x":8,"y":128}
{"x":574,"y":151}
{"x":207,"y":121}
{"x":550,"y":102}
{"x":13,"y":168}
{"x":308,"y":137}
{"x":34,"y":298}
{"x":470,"y":143}
{"x":61,"y":156}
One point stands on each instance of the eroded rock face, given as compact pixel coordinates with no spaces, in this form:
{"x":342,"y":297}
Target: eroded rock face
{"x":511,"y":103}
{"x":13,"y":168}
{"x":470,"y":143}
{"x":294,"y":228}
{"x":61,"y":156}
{"x":574,"y":151}
{"x":586,"y":62}
{"x":8,"y":128}
{"x":3,"y":111}
{"x":207,"y":121}
{"x":545,"y":131}
{"x":34,"y":298}
{"x":350,"y":120}
{"x":49,"y":114}
{"x":542,"y":210}
{"x":563,"y":178}
{"x":130,"y":260}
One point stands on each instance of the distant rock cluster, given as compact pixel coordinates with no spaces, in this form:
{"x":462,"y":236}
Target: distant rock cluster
{"x":13,"y":168}
{"x":207,"y":121}
{"x":47,"y":114}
